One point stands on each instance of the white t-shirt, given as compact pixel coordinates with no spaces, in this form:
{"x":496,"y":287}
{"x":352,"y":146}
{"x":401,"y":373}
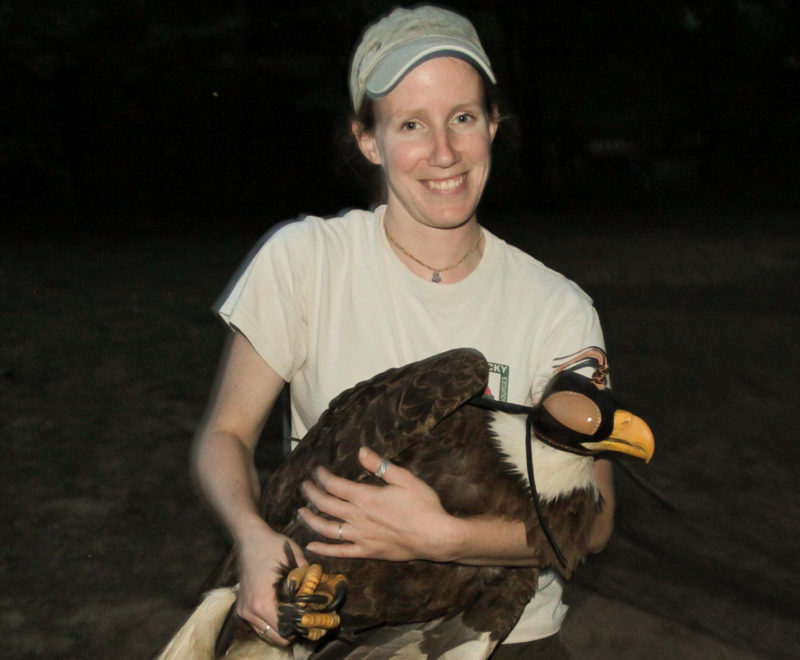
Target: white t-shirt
{"x":327,"y":304}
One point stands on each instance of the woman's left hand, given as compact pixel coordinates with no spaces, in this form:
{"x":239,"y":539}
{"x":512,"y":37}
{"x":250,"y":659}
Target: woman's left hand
{"x":400,"y":521}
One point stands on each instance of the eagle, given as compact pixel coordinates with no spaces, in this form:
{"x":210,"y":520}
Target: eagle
{"x":432,"y":418}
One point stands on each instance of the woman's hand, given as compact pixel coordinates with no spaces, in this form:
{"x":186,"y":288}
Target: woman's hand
{"x":400,"y":521}
{"x":260,"y":553}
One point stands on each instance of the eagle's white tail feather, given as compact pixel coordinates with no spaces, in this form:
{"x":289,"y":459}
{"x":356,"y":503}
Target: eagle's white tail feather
{"x":197,"y":637}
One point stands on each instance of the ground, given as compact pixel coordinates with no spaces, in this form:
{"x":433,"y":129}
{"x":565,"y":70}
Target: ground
{"x":108,"y":355}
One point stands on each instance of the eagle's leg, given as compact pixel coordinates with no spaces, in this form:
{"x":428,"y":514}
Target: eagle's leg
{"x":309,"y":601}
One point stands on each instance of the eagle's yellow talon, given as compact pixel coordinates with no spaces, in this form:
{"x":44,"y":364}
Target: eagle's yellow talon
{"x":324,"y":620}
{"x":310,"y":596}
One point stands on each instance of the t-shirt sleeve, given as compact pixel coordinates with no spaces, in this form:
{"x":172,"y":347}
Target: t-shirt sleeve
{"x":575,"y":327}
{"x":265,"y":300}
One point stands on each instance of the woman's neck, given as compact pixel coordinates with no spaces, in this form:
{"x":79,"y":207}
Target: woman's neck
{"x":439,"y":254}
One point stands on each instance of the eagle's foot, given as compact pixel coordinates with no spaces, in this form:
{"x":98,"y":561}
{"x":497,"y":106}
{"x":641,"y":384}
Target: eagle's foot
{"x":309,"y":602}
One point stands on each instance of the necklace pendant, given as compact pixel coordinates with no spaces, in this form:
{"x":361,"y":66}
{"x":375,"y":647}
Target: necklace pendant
{"x":436,"y":277}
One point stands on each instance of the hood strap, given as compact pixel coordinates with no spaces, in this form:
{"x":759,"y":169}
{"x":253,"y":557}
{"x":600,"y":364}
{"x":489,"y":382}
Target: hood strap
{"x":516,"y":409}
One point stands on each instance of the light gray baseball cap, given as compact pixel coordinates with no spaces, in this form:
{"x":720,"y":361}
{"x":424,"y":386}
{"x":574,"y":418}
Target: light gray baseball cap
{"x":392,"y":46}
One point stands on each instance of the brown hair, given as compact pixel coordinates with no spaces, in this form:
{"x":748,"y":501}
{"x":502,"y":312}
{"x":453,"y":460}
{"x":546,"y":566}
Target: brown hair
{"x":369,"y":174}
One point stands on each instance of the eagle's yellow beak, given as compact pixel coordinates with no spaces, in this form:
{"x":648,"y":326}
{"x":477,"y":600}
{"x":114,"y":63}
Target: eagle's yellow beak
{"x":631,"y":435}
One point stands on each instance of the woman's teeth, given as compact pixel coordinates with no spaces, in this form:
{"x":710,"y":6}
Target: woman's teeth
{"x":446,"y":184}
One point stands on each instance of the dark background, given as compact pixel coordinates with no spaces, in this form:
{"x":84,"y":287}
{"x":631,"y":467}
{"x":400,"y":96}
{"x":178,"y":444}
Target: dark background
{"x":185,"y":113}
{"x":145,"y":146}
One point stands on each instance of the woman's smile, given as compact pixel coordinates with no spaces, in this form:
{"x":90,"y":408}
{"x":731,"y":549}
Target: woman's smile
{"x":451,"y":184}
{"x":433,"y":139}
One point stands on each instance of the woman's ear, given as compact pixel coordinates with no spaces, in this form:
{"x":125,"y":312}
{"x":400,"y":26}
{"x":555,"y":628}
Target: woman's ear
{"x":494,"y":122}
{"x":367,"y":143}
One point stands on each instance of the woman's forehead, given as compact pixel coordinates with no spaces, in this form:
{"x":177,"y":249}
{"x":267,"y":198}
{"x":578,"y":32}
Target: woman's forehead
{"x":441,"y":81}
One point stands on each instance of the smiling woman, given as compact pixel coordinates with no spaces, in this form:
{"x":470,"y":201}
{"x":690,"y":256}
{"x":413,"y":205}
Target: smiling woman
{"x":432,"y":138}
{"x":326,"y":303}
{"x":364,"y":121}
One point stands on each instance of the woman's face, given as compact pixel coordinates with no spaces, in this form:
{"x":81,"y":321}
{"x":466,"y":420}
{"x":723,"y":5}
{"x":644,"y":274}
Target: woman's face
{"x":433,"y":140}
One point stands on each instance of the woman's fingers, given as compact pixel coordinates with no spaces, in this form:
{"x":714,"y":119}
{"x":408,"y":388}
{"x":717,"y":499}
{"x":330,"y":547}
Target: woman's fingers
{"x":399,"y":520}
{"x":381,"y":467}
{"x":260,"y":558}
{"x":266,"y":631}
{"x":384,"y":469}
{"x":262,"y":628}
{"x":323,"y":526}
{"x":332,"y":498}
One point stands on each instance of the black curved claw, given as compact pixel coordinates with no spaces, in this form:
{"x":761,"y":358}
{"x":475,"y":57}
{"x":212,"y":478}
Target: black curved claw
{"x":328,"y":603}
{"x":289,"y":616}
{"x":339,"y":597}
{"x":314,"y":599}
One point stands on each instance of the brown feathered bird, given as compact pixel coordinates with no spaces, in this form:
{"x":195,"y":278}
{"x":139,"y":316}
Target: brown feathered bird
{"x":418,"y":417}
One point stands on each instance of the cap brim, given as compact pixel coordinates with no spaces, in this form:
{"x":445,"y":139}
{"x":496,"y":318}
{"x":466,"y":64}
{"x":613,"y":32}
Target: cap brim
{"x":390,"y":70}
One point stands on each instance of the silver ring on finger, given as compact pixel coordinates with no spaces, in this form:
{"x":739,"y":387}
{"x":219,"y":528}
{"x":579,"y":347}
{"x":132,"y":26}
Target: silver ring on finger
{"x":267,"y":628}
{"x":382,"y":466}
{"x":341,"y":538}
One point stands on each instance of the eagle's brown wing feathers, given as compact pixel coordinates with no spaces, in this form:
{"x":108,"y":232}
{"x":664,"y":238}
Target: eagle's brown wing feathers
{"x":415,"y":416}
{"x":439,"y":638}
{"x":388,"y":413}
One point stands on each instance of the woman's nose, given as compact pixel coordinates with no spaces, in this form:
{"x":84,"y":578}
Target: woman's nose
{"x":444,"y":153}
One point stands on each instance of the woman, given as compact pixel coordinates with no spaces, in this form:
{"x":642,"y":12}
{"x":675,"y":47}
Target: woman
{"x":327,"y":303}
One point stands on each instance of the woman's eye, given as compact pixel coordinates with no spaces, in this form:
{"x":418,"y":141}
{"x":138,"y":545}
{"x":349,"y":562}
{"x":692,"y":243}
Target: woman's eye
{"x":409,"y":125}
{"x":463,"y":118}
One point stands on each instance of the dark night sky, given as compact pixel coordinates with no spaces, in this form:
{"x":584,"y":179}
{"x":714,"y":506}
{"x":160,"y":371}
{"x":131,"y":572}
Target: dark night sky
{"x":133,"y":109}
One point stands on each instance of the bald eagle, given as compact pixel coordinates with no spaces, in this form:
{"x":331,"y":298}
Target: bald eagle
{"x":419,"y":417}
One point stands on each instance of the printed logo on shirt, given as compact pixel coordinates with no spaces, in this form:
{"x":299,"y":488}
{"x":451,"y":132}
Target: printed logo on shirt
{"x":498,"y":381}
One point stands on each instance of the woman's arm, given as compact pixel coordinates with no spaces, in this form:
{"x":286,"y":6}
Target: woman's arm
{"x":487,"y":541}
{"x":222,"y":459}
{"x":405,"y":520}
{"x":604,"y":523}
